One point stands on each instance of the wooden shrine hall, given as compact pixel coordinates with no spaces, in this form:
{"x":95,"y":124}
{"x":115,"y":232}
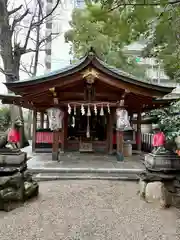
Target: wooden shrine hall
{"x":88,"y":93}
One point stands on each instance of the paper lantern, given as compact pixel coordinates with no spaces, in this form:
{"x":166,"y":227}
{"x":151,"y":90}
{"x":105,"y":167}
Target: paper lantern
{"x":55,"y":118}
{"x":122,"y":121}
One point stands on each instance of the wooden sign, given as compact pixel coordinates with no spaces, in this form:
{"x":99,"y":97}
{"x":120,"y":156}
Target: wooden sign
{"x":85,"y":147}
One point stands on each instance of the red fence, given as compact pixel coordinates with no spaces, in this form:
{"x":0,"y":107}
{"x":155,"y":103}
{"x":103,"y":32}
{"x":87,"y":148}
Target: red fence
{"x":45,"y":137}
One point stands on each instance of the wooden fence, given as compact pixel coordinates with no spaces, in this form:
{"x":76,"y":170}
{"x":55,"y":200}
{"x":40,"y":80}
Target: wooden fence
{"x":146,"y":141}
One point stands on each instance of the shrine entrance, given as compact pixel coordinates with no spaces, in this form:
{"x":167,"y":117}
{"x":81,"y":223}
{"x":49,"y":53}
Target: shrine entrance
{"x":88,"y":129}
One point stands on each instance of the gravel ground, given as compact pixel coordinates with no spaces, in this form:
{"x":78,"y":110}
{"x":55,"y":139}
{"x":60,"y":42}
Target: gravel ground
{"x":89,"y":210}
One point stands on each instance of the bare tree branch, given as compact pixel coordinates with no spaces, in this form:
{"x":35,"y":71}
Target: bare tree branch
{"x":26,"y":69}
{"x":31,"y":66}
{"x":45,"y":39}
{"x":2,"y":70}
{"x":29,"y":50}
{"x":17,"y":20}
{"x":29,"y":30}
{"x":54,"y":37}
{"x":47,"y":15}
{"x":15,"y":10}
{"x":40,"y":7}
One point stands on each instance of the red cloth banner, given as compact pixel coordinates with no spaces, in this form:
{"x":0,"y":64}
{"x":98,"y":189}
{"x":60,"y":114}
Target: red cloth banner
{"x":45,"y":137}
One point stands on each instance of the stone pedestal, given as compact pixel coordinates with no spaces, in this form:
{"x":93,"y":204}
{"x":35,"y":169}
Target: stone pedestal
{"x":162,"y":189}
{"x":55,"y":156}
{"x":162,"y":160}
{"x":16,"y":183}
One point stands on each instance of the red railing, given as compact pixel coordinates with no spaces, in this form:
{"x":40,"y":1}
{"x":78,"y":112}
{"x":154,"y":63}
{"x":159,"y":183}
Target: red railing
{"x":45,"y":137}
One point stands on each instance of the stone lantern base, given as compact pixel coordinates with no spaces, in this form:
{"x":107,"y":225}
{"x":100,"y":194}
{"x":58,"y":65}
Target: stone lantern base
{"x":16,"y":183}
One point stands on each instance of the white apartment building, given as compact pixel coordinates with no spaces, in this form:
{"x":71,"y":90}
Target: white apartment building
{"x":57,"y":51}
{"x":155,"y":72}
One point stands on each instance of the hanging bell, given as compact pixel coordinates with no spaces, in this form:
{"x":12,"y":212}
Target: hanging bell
{"x":95,"y":109}
{"x":88,"y":132}
{"x":102,"y":111}
{"x":74,"y":110}
{"x":89,"y":111}
{"x":73,"y":122}
{"x":88,"y":129}
{"x":108,"y":108}
{"x":69,"y":109}
{"x":82,"y":110}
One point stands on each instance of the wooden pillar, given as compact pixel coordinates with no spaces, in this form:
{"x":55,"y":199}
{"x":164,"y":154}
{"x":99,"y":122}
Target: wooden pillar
{"x":64,"y":131}
{"x":34,"y":130}
{"x":47,"y":121}
{"x":110,"y":135}
{"x":107,"y":133}
{"x":119,"y":141}
{"x":138,"y":137}
{"x":41,"y":120}
{"x":65,"y":127}
{"x":55,"y":145}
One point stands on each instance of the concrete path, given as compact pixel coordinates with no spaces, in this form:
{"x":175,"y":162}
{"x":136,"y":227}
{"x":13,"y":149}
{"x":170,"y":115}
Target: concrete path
{"x":89,"y":210}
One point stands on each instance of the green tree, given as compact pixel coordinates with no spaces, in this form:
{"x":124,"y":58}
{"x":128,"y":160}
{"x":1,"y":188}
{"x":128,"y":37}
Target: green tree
{"x":109,"y":25}
{"x":168,"y":119}
{"x":107,"y":32}
{"x":158,"y":21}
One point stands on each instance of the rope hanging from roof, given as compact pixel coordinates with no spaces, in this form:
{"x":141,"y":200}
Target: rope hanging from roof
{"x":83,"y":111}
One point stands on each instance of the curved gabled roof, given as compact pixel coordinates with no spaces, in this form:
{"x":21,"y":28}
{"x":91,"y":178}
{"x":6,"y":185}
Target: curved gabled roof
{"x":92,"y":60}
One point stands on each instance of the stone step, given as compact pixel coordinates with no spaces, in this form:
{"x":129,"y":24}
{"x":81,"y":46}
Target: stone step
{"x":73,"y":176}
{"x":86,"y":170}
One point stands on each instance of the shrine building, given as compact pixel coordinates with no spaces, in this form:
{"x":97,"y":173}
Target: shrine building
{"x":88,"y":93}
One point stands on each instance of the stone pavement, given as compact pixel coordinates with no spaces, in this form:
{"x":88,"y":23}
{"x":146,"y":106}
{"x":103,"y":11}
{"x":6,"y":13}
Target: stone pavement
{"x":81,"y":160}
{"x":89,"y":210}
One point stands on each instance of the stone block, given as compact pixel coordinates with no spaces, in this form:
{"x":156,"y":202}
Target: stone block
{"x":156,"y":192}
{"x":28,"y":176}
{"x":119,"y":157}
{"x":14,"y":181}
{"x":170,"y":187}
{"x":11,"y":194}
{"x":12,"y":159}
{"x":4,"y":182}
{"x":31,"y":189}
{"x":142,"y":188}
{"x":176,"y":200}
{"x":162,"y":161}
{"x":55,"y":156}
{"x":156,"y":177}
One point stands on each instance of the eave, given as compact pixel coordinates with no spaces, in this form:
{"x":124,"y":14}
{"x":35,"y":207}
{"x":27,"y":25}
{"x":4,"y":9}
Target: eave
{"x":72,"y":71}
{"x":20,"y":101}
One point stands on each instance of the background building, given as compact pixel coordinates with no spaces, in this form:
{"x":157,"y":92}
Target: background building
{"x":154,"y":70}
{"x":79,"y":3}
